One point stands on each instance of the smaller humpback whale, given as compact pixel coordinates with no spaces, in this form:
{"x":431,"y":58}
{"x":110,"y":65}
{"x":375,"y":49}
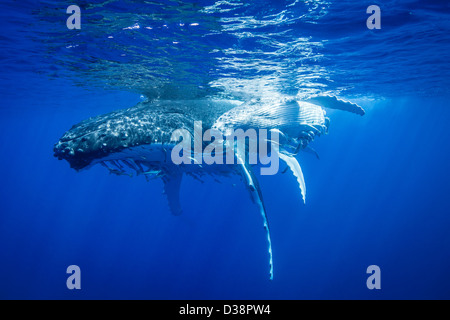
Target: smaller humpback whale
{"x":139,"y":141}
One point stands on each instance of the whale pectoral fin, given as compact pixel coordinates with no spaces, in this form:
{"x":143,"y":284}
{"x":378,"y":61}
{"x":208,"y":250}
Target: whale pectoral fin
{"x":297,"y":171}
{"x":311,"y":150}
{"x":335,"y":103}
{"x":256,"y":195}
{"x":172,"y":183}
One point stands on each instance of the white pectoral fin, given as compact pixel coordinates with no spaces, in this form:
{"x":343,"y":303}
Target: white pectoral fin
{"x":256,"y":195}
{"x":297,"y":171}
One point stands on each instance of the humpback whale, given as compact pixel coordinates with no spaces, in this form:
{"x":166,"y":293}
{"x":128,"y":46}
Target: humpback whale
{"x":139,"y":140}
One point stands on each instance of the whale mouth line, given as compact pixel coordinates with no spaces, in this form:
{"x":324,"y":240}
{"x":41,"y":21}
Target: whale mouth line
{"x":80,"y":160}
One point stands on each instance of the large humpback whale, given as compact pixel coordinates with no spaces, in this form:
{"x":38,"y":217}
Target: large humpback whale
{"x":139,"y":140}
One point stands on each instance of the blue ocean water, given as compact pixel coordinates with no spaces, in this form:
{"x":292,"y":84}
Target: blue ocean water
{"x":377,"y":196}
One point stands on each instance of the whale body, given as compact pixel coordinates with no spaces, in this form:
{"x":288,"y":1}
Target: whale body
{"x":139,"y":140}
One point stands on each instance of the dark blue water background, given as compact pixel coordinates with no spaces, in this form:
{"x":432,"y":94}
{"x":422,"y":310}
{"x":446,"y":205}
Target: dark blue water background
{"x":378,"y":195}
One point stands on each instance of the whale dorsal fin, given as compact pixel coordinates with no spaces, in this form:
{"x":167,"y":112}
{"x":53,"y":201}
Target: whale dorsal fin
{"x":335,"y":103}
